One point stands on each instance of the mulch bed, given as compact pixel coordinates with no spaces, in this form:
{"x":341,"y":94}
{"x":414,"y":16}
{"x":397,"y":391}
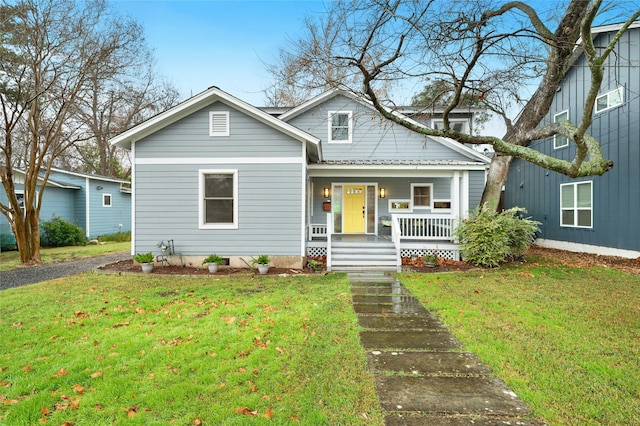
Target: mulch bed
{"x":580,"y":260}
{"x":128,"y":266}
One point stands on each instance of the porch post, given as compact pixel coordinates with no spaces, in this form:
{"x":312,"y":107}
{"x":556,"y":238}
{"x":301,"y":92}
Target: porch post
{"x":464,"y":206}
{"x":455,"y":194}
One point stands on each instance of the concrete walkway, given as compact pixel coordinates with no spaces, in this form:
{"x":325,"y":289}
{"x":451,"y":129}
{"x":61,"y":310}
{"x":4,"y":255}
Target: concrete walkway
{"x":423,"y":376}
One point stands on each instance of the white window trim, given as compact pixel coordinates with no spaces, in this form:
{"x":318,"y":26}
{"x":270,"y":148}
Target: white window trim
{"x":442,"y":200}
{"x":104,"y":196}
{"x":575,"y":203}
{"x":214,"y":133}
{"x":464,"y":121}
{"x":407,"y":210}
{"x":620,"y":91}
{"x":350,"y":130}
{"x":555,"y":137}
{"x":413,"y":204}
{"x":201,"y":217}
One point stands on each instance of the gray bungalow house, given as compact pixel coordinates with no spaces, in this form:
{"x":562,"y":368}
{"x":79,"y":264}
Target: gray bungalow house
{"x":98,"y":204}
{"x":597,"y":214}
{"x":330,"y":178}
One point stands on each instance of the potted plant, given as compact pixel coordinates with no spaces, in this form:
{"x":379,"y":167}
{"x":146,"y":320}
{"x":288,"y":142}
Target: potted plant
{"x":263,"y":263}
{"x":145,"y":260}
{"x":314,"y":265}
{"x":430,"y":260}
{"x":213,"y":260}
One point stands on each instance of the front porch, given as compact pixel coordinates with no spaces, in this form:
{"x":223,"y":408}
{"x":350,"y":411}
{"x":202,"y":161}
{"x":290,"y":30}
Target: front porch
{"x":402,"y":235}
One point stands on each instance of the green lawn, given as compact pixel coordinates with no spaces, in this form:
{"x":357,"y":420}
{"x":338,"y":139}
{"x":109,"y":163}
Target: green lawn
{"x":565,"y":339}
{"x":11,"y":259}
{"x":106,"y":349}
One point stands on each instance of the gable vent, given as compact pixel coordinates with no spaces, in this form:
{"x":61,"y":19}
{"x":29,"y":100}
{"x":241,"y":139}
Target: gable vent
{"x":219,"y":123}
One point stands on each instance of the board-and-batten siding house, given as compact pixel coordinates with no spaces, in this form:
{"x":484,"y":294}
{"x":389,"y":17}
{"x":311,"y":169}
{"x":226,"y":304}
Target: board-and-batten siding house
{"x":329,"y":177}
{"x":596,"y":214}
{"x":99,"y":205}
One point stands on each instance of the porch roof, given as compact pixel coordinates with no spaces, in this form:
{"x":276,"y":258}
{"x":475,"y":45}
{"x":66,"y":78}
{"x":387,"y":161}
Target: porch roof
{"x":400,"y":165}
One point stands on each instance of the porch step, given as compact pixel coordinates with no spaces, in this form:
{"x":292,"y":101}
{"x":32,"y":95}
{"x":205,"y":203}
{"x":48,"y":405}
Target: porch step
{"x":358,"y":256}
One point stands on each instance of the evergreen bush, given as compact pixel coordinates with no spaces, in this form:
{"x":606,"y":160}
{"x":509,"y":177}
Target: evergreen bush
{"x":57,"y":232}
{"x":488,"y":238}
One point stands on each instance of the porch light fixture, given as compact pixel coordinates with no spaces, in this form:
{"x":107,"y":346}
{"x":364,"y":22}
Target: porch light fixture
{"x":325,"y":192}
{"x":383,"y":192}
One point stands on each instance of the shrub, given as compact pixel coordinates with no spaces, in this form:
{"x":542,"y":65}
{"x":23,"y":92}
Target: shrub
{"x":118,"y":237}
{"x":488,"y":238}
{"x":57,"y":232}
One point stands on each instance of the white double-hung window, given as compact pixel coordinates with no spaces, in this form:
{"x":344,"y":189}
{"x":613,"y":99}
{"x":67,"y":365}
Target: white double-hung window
{"x":610,"y":100}
{"x":340,"y":126}
{"x":576,"y":205}
{"x":218,"y":199}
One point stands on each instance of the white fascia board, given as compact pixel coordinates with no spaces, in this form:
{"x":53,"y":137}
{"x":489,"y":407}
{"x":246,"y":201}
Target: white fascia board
{"x":198,"y":102}
{"x":90,"y":176}
{"x":389,"y":171}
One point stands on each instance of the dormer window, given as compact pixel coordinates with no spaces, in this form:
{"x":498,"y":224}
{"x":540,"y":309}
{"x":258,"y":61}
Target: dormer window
{"x":340,"y":126}
{"x":219,"y":123}
{"x":461,"y":126}
{"x":610,"y":100}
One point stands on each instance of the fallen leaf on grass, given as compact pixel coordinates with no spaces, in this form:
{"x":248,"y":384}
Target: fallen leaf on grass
{"x":268,"y":413}
{"x":79,"y":389}
{"x":26,"y":368}
{"x":96,"y":375}
{"x":279,"y":349}
{"x":245,"y":411}
{"x":60,"y":373}
{"x":121,"y":324}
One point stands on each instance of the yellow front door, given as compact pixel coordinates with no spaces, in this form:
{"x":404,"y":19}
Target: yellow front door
{"x":354,"y":210}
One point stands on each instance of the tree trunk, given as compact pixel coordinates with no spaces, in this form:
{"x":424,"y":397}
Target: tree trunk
{"x":496,"y":178}
{"x":27,"y":235}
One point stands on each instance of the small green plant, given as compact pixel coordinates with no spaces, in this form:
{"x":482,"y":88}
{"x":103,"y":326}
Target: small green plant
{"x":143,"y":257}
{"x":213,"y":258}
{"x":57,"y":232}
{"x":430,"y":258}
{"x":314,"y":264}
{"x":488,"y":238}
{"x":118,"y":237}
{"x":263,"y":259}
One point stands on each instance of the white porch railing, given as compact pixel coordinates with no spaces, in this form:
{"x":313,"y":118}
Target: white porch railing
{"x":423,"y":226}
{"x":317,"y":230}
{"x":395,"y":237}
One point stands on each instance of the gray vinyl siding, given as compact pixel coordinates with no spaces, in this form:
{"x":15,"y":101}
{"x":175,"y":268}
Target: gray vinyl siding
{"x":616,"y":194}
{"x":189,"y":137}
{"x":476,"y":187}
{"x":270,"y":194}
{"x":269,"y":201}
{"x":374,"y":138}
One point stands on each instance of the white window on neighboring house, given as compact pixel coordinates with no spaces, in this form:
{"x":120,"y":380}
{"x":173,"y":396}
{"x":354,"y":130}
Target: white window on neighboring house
{"x":106,"y":200}
{"x":218,"y":202}
{"x":340,"y":126}
{"x":576,"y":201}
{"x":461,"y":126}
{"x":218,"y":123}
{"x":421,"y":196}
{"x":610,"y":100}
{"x":560,"y":141}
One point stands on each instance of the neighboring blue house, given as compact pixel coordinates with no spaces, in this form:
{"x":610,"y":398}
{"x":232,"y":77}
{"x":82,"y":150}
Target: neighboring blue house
{"x":329,"y":177}
{"x":99,"y":205}
{"x":596,"y":214}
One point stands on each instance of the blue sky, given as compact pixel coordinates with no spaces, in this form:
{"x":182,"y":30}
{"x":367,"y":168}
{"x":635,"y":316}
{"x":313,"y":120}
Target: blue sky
{"x":198,"y":44}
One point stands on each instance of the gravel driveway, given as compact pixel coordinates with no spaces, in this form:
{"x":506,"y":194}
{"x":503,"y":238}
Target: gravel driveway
{"x":36,"y":274}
